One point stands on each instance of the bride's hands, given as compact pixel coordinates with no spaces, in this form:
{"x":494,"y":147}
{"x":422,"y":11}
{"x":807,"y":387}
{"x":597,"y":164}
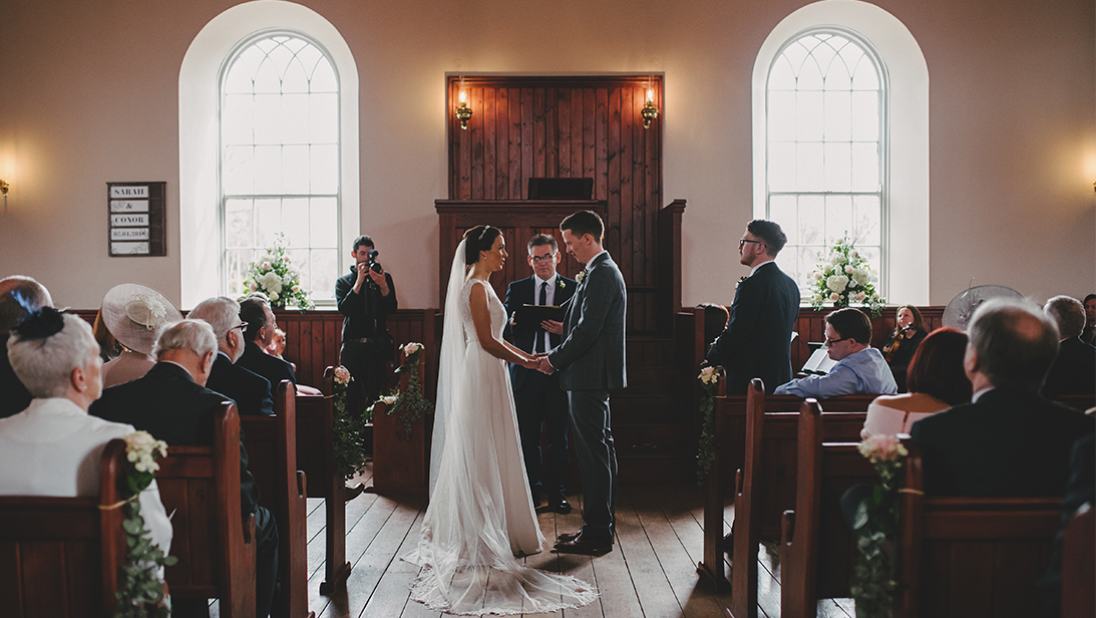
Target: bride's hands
{"x":531,"y":363}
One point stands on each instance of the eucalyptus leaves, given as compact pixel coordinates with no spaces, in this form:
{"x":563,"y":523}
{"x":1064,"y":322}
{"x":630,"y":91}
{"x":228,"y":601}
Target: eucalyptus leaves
{"x":875,"y":528}
{"x":348,"y":428}
{"x":709,"y":379}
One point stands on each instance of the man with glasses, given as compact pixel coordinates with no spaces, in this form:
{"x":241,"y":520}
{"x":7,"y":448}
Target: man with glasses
{"x":249,"y":390}
{"x":538,"y":397}
{"x":860,"y":368}
{"x":757,"y":340}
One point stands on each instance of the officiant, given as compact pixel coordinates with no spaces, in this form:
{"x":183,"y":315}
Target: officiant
{"x":538,"y":397}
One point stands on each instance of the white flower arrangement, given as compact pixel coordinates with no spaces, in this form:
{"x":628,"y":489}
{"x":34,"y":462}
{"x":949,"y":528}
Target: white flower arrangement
{"x":142,"y":450}
{"x":843,"y":278}
{"x":581,"y":275}
{"x":274,"y":276}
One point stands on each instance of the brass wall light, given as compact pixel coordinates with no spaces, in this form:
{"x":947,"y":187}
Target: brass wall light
{"x":463,"y":112}
{"x":650,"y":112}
{"x":4,"y":188}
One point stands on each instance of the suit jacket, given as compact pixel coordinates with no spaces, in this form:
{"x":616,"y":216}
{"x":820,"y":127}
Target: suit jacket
{"x":270,"y":367}
{"x":591,"y":355}
{"x":1074,"y":371}
{"x":249,"y":390}
{"x":1007,"y":444}
{"x":14,"y":397}
{"x":524,"y":292}
{"x":168,"y":404}
{"x":757,"y":341}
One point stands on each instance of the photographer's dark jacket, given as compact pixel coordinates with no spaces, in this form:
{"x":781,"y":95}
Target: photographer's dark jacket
{"x":364,"y":313}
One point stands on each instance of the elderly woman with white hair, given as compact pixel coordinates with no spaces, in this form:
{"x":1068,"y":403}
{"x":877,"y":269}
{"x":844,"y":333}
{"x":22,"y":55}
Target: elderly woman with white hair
{"x":53,"y":448}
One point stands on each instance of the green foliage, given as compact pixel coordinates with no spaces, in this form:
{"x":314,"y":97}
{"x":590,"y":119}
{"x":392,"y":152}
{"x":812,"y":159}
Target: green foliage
{"x":410,"y":405}
{"x":706,"y":449}
{"x":348,"y":434}
{"x":845,"y":277}
{"x":274,"y":276}
{"x":140,"y":591}
{"x":875,"y":527}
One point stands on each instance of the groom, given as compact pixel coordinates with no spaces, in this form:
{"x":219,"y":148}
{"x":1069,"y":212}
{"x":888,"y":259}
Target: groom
{"x":590,"y":362}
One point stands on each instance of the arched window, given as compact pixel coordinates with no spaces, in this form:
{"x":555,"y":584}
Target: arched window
{"x":826,"y":149}
{"x":841,"y":143}
{"x":279,"y":159}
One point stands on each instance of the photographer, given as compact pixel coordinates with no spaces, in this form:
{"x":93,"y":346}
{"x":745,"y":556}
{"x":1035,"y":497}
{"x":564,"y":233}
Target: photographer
{"x":365,"y":297}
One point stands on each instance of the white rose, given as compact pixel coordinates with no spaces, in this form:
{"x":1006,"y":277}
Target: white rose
{"x":272,"y":296}
{"x":837,"y":283}
{"x":861,"y":296}
{"x":817,"y":276}
{"x":296,"y":289}
{"x":272,"y":283}
{"x":342,"y":376}
{"x":266,"y":266}
{"x":834,"y":297}
{"x":848,"y":269}
{"x":838,"y":259}
{"x":708,"y":375}
{"x":389,"y":399}
{"x":817,"y":298}
{"x":861,"y":277}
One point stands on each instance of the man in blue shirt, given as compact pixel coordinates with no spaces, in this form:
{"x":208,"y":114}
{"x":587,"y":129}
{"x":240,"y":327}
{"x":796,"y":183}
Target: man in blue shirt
{"x":860,"y":367}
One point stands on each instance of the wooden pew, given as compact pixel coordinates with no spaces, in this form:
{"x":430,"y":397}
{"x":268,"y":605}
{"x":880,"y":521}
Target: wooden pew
{"x":315,"y":435}
{"x":271,"y":443}
{"x":776,"y":468}
{"x":817,"y":550}
{"x":1078,"y":568}
{"x":399,"y":461}
{"x":216,"y":552}
{"x":60,"y":557}
{"x":971,"y":557}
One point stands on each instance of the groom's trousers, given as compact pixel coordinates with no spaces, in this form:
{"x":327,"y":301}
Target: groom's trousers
{"x":596,"y":459}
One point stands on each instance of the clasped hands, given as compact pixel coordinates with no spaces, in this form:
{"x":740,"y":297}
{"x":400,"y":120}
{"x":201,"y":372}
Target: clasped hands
{"x":540,"y":363}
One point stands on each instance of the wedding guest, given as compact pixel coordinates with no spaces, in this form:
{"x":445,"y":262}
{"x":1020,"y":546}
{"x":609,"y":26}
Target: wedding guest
{"x":250,"y":391}
{"x":277,"y":344}
{"x":715,"y":322}
{"x":54,"y":447}
{"x":14,"y":397}
{"x":860,"y":368}
{"x":261,"y":324}
{"x":1088,"y":335}
{"x":133,"y":315}
{"x":1074,"y":370}
{"x":1009,"y":441}
{"x":909,"y":332}
{"x":109,"y":348}
{"x":937,"y":382}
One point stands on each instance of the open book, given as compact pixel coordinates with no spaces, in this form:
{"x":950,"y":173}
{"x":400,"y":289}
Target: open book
{"x":819,"y":363}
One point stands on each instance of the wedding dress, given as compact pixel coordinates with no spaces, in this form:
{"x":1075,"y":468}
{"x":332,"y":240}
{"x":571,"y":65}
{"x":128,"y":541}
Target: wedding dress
{"x":481,"y":514}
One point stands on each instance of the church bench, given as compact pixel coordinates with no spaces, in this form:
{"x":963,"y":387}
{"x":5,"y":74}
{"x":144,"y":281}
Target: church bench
{"x":1078,"y":568}
{"x":776,"y":464}
{"x":271,"y":443}
{"x":817,"y":549}
{"x":971,"y":557}
{"x":215,"y":548}
{"x":60,"y":557}
{"x":315,"y":456}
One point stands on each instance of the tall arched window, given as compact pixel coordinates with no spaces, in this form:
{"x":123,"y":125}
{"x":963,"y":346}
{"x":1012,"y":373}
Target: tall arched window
{"x":280,"y":159}
{"x":826,"y":149}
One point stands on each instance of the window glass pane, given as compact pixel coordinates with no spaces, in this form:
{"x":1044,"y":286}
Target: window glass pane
{"x":782,"y":166}
{"x":810,"y":75}
{"x":782,"y":76}
{"x":268,"y":120}
{"x":865,"y":116}
{"x":812,"y":220}
{"x":782,"y":209}
{"x":295,"y":79}
{"x":838,"y":161}
{"x":865,"y":167}
{"x":236,"y":263}
{"x":781,"y":116}
{"x":323,"y":118}
{"x":865,"y":76}
{"x":295,"y":108}
{"x":236,"y":119}
{"x":838,"y":120}
{"x":295,"y":222}
{"x":295,"y":169}
{"x":808,"y":115}
{"x":325,"y":169}
{"x":838,"y":218}
{"x":238,"y":169}
{"x":324,"y":222}
{"x":808,"y":166}
{"x":239,"y":224}
{"x":325,"y":269}
{"x":268,"y":221}
{"x":323,"y":79}
{"x":268,"y":169}
{"x":867,"y":219}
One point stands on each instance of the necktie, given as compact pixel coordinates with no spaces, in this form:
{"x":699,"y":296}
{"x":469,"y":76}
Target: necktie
{"x":539,"y":346}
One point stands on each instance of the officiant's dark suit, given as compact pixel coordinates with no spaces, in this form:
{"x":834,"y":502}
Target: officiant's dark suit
{"x":538,"y":397}
{"x":757,"y":341}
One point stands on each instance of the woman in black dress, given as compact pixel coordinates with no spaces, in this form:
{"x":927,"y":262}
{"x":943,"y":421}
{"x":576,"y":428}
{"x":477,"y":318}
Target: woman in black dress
{"x":909,"y":331}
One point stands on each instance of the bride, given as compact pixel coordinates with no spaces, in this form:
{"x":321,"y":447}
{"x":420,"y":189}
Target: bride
{"x":481,"y":514}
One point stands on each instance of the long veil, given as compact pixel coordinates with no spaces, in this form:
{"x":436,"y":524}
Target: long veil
{"x":466,"y":549}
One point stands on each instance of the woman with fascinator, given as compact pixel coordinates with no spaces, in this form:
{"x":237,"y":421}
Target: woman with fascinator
{"x":481,"y":513}
{"x":53,"y":448}
{"x":134,"y":314}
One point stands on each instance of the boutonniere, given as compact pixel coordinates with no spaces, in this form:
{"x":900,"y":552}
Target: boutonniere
{"x":562,"y":284}
{"x":743,"y":278}
{"x":581,"y":276}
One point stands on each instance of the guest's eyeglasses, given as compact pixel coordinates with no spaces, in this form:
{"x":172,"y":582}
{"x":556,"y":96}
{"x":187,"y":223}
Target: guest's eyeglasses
{"x":241,"y":326}
{"x":543,"y":258}
{"x":830,"y":342}
{"x":742,"y":242}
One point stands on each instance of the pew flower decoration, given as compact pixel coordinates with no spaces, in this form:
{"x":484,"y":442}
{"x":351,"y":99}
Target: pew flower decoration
{"x":409,"y":405}
{"x":843,"y":278}
{"x":709,"y":380}
{"x":348,"y":427}
{"x":875,"y":527}
{"x":140,"y":591}
{"x":274,"y":275}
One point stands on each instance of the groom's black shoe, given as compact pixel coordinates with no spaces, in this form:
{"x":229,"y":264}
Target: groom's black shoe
{"x":559,"y":505}
{"x":585,"y":545}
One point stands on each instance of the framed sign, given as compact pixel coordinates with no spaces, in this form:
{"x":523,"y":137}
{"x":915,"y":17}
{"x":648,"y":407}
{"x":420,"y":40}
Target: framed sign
{"x":137,"y":217}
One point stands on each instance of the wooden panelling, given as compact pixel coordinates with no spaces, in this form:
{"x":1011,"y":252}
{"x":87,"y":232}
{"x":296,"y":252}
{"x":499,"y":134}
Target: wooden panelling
{"x":568,"y":127}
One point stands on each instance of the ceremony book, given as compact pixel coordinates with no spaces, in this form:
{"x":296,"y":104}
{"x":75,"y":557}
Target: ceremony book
{"x":819,"y":363}
{"x":528,"y":317}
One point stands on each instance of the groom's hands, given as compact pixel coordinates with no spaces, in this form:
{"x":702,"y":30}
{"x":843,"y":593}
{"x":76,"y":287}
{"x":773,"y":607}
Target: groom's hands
{"x":545,"y":367}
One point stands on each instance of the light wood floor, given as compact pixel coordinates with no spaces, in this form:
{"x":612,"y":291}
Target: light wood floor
{"x":650,"y":573}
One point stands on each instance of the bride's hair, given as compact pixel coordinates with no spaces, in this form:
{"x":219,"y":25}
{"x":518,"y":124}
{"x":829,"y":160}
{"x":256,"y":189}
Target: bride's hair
{"x":479,"y":238}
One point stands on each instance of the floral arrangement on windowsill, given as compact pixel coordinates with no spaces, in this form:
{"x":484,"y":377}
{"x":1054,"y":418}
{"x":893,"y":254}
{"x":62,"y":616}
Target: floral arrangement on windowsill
{"x":709,"y":380}
{"x":408,"y":406}
{"x":141,"y":591}
{"x":275,"y":276}
{"x":876,"y":527}
{"x":845,"y":277}
{"x":348,"y":428}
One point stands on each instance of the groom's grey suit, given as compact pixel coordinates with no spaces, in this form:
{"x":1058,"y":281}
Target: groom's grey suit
{"x":590,"y":362}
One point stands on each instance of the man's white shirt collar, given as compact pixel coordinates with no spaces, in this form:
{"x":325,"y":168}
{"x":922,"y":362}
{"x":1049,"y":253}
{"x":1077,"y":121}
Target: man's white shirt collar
{"x":976,"y":396}
{"x":551,"y":281}
{"x":754,"y":270}
{"x":594,"y":258}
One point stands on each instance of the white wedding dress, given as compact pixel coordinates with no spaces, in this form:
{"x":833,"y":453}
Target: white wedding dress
{"x":481,"y":515}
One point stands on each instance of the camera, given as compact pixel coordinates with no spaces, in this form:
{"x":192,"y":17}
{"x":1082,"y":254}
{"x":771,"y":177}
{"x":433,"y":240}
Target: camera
{"x":373,"y":263}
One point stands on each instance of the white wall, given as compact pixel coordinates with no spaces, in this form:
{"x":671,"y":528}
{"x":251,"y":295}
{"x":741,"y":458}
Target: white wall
{"x":88,"y":95}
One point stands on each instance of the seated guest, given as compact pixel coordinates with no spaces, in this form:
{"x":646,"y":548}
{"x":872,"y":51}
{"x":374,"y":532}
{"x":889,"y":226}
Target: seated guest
{"x":134,"y":314}
{"x":1074,"y":370}
{"x":54,"y":448}
{"x":715,"y":322}
{"x":14,"y":397}
{"x":860,"y":368}
{"x":172,"y":403}
{"x":250,"y":391}
{"x":909,"y":332}
{"x":937,"y":382}
{"x":1009,"y":441}
{"x":277,"y":347}
{"x":1088,"y":335}
{"x":261,"y":324}
{"x":109,"y":348}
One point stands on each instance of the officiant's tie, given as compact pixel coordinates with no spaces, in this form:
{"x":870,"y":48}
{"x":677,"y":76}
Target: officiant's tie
{"x":539,"y":347}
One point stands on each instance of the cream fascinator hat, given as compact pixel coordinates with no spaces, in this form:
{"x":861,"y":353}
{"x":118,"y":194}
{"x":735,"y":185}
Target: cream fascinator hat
{"x":134,"y":314}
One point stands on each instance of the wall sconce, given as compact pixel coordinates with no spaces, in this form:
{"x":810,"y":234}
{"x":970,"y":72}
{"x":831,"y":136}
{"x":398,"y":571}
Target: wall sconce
{"x":650,"y":112}
{"x":4,"y":188}
{"x":463,"y":112}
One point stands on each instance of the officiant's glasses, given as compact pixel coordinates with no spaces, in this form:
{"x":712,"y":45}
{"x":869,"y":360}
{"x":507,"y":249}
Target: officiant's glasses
{"x":544,"y":258}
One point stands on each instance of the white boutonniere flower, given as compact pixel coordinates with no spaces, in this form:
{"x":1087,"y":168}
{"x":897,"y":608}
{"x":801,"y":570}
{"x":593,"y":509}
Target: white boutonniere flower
{"x":562,"y":284}
{"x":581,"y":276}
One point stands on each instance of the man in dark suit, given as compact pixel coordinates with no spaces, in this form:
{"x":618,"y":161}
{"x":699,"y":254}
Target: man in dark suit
{"x":1074,"y":370}
{"x":590,"y":361}
{"x":261,"y":324}
{"x":1009,"y":441}
{"x":249,"y":390}
{"x":172,"y":403}
{"x":757,"y":342}
{"x":538,"y":397}
{"x":14,"y":397}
